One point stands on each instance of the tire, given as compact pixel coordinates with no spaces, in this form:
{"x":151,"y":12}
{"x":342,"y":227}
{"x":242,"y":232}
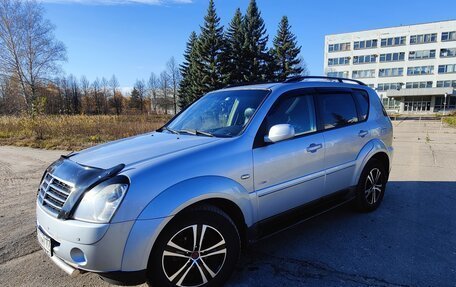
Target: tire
{"x":210,"y":264}
{"x":368,"y":198}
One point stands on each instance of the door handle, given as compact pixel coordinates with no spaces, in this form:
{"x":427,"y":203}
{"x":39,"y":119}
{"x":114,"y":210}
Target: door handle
{"x":314,"y":147}
{"x":362,"y":133}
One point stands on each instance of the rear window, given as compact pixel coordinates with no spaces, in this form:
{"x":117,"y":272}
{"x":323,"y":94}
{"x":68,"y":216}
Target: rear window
{"x":338,"y":110}
{"x":362,"y":98}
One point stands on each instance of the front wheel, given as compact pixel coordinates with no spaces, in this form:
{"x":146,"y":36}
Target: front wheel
{"x":197,"y":248}
{"x":371,"y":186}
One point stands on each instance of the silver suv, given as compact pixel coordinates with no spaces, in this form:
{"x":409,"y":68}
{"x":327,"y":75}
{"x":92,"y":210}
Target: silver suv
{"x":174,"y":207}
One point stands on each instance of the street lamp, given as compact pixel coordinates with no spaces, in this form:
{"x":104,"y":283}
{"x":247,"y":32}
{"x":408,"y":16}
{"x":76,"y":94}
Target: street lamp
{"x":444,"y":103}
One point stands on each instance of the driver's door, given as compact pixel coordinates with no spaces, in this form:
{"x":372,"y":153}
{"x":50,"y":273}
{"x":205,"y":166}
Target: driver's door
{"x":290,"y":173}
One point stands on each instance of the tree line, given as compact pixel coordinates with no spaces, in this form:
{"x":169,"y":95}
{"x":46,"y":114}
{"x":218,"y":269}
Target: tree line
{"x":216,"y":57}
{"x":31,"y":78}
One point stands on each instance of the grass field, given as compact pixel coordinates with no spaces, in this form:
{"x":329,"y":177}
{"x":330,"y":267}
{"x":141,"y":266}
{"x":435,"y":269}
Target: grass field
{"x":451,"y":121}
{"x":73,"y":132}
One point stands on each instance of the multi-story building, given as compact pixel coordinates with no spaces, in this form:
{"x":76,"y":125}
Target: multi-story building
{"x":413,"y":68}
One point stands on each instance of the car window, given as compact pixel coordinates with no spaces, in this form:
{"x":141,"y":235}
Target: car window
{"x":337,"y":110}
{"x":363,"y":103}
{"x":297,"y":111}
{"x":221,"y":113}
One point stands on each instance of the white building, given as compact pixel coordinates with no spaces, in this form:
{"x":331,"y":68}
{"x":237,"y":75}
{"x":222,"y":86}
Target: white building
{"x":411,"y":67}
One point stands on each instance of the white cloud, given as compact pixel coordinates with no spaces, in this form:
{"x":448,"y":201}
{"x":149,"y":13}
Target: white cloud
{"x":118,"y":2}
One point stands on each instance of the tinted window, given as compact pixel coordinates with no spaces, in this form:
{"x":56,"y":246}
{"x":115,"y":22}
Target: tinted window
{"x":297,"y":111}
{"x":337,"y":110}
{"x":363,"y":103}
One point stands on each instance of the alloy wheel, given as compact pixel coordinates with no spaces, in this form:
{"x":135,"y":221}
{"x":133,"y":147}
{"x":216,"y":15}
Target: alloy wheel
{"x":194,"y":255}
{"x":373,"y":186}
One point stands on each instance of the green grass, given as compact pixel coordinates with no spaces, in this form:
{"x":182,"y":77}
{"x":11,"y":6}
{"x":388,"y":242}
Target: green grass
{"x":449,"y":120}
{"x":73,"y":132}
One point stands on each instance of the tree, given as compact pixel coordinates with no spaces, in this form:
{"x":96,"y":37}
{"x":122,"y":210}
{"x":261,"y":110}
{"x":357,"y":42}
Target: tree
{"x":164,"y":88}
{"x":286,"y":52}
{"x":255,"y":41}
{"x":135,"y":101}
{"x":152,"y":85}
{"x":174,"y":75}
{"x":116,"y":98}
{"x":97,"y":97}
{"x":140,"y":87}
{"x":209,"y":51}
{"x":235,"y":69}
{"x":189,"y":71}
{"x":85,"y":90}
{"x":28,"y":48}
{"x":104,"y":95}
{"x":74,"y":95}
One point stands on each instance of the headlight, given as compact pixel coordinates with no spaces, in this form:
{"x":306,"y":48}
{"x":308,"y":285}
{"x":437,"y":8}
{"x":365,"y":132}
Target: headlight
{"x":101,"y":202}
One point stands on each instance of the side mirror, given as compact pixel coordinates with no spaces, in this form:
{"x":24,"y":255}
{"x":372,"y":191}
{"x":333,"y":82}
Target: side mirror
{"x":279,"y":133}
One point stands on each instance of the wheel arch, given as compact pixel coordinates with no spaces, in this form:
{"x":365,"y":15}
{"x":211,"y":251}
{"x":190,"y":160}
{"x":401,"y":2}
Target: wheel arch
{"x":373,"y":149}
{"x":223,"y":193}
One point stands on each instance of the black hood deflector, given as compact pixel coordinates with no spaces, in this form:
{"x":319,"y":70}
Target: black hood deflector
{"x":83,"y":177}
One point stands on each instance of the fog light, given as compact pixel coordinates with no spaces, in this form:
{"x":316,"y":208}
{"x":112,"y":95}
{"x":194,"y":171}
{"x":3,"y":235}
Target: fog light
{"x":78,"y":256}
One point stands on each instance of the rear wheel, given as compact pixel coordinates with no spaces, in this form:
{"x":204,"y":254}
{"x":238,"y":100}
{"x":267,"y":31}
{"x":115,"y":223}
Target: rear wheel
{"x":371,"y":186}
{"x":197,"y":248}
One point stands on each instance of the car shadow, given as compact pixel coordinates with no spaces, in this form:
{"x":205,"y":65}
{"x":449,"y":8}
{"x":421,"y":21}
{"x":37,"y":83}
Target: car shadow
{"x":410,"y":240}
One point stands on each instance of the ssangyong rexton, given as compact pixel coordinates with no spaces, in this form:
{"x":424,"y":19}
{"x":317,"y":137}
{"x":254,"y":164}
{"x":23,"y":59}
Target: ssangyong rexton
{"x":174,"y":207}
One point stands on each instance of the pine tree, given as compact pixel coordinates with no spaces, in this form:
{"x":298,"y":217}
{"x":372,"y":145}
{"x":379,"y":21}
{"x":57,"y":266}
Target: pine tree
{"x":135,"y":101}
{"x":209,"y":50}
{"x":186,"y":93}
{"x":286,"y":61}
{"x":234,"y":68}
{"x":255,"y":41}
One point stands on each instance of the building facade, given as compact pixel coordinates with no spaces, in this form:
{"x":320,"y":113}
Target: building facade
{"x":412,"y":68}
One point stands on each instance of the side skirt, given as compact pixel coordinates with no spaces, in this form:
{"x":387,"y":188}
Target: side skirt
{"x":277,"y":223}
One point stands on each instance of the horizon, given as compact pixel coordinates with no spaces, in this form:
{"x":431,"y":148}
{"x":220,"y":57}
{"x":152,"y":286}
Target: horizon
{"x":132,"y":38}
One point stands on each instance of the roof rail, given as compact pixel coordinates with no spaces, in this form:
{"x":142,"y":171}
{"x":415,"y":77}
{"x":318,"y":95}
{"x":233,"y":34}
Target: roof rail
{"x":340,"y":80}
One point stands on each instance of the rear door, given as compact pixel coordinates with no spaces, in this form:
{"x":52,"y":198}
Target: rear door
{"x":342,"y":117}
{"x":291,"y":172}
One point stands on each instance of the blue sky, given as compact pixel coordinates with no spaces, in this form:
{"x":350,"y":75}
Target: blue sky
{"x":132,"y":38}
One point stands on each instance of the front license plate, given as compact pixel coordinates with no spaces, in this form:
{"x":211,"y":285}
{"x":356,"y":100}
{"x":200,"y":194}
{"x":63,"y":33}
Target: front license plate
{"x":45,"y":242}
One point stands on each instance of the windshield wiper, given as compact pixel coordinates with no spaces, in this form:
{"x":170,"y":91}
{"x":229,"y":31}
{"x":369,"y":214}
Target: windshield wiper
{"x":196,"y":132}
{"x":170,"y":130}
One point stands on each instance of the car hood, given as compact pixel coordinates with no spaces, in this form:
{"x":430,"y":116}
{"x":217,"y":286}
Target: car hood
{"x":138,"y":149}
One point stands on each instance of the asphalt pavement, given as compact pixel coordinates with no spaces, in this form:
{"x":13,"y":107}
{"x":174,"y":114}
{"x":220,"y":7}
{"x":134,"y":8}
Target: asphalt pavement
{"x":409,"y":241}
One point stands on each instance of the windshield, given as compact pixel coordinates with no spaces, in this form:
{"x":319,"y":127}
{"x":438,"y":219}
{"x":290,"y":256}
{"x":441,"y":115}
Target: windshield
{"x":220,"y":114}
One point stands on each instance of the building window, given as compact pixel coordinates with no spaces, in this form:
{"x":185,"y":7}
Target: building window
{"x":447,"y":69}
{"x":391,"y":72}
{"x":448,"y":52}
{"x":390,"y":103}
{"x":423,"y":54}
{"x":360,"y":74}
{"x":423,"y":38}
{"x":339,"y":47}
{"x":389,"y":86}
{"x":394,"y":41}
{"x":364,"y":59}
{"x":338,"y":61}
{"x":421,"y":70}
{"x":418,"y":85}
{"x":446,"y":84}
{"x":392,"y":57}
{"x":367,"y":44}
{"x":449,"y":36}
{"x":343,"y":74}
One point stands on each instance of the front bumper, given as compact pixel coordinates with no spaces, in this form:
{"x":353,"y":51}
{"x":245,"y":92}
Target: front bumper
{"x":85,"y":246}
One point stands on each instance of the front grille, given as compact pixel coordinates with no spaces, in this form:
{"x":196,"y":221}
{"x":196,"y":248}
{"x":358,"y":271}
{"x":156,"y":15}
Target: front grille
{"x":53,"y":193}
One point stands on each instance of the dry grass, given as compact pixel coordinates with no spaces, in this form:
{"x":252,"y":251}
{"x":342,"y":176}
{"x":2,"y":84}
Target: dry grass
{"x":73,"y":132}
